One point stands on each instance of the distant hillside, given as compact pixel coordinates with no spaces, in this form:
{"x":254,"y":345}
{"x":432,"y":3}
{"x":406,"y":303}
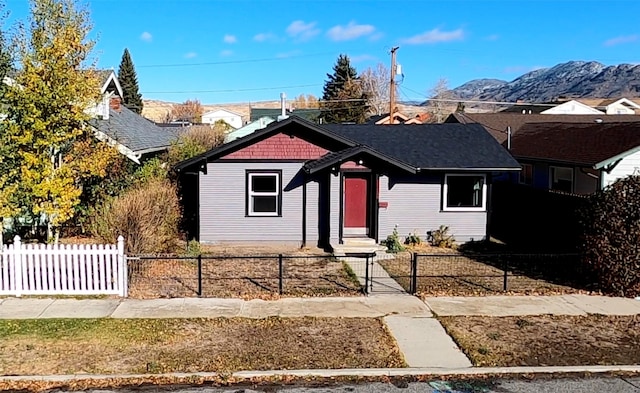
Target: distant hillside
{"x":574,"y":79}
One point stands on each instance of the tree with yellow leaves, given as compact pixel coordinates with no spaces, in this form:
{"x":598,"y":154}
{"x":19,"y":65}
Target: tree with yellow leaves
{"x":54,"y":150}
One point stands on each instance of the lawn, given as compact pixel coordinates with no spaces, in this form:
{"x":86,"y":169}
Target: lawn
{"x":248,"y":273}
{"x":547,"y":340}
{"x":444,"y":272}
{"x":112,"y":346}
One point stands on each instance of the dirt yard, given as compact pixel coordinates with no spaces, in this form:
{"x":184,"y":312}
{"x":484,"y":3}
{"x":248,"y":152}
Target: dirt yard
{"x":547,"y":340}
{"x":444,"y":272}
{"x":111,"y":346}
{"x":244,"y":272}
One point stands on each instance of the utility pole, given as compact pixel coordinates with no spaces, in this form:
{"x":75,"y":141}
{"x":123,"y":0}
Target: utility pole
{"x":392,"y":85}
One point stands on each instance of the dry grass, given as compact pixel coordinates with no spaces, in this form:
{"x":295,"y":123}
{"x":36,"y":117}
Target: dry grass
{"x":305,"y":272}
{"x":547,"y":340}
{"x":110,"y":346}
{"x":447,"y":273}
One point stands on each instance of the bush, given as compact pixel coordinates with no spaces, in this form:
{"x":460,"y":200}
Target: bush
{"x":196,"y":140}
{"x":610,"y":245}
{"x":441,"y":237}
{"x":147,"y":217}
{"x":392,"y":242}
{"x":413,"y":239}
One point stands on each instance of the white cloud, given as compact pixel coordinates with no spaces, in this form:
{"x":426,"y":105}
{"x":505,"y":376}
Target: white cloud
{"x":146,"y":36}
{"x":285,"y":55}
{"x":230,"y":39}
{"x":262,"y":37}
{"x":302,"y":31}
{"x":434,"y":36}
{"x":350,"y":31}
{"x":492,"y":37}
{"x":623,"y":39}
{"x":226,"y":53}
{"x":190,"y":55}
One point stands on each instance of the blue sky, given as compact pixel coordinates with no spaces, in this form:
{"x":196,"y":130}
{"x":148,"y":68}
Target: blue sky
{"x":240,"y":50}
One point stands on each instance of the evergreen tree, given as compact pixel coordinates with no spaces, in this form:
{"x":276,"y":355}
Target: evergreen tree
{"x":343,"y":98}
{"x":129,"y":82}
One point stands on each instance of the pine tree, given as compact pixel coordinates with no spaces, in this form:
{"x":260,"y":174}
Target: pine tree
{"x":343,"y":98}
{"x":129,"y":82}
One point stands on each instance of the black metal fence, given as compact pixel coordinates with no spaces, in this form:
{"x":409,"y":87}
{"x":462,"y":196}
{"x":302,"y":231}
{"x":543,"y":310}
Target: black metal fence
{"x":490,"y":273}
{"x":258,"y":276}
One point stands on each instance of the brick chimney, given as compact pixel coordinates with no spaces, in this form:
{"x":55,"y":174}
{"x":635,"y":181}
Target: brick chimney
{"x":115,"y":103}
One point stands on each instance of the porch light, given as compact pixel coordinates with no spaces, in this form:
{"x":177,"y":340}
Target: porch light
{"x":359,"y":162}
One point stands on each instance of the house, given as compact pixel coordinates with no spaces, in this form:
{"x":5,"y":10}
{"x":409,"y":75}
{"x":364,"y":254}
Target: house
{"x":133,"y":135}
{"x":231,"y":118}
{"x":310,"y":114}
{"x":622,"y":106}
{"x":301,"y":183}
{"x":400,"y":118}
{"x":248,"y":129}
{"x":578,"y":158}
{"x":502,"y":124}
{"x":572,"y":107}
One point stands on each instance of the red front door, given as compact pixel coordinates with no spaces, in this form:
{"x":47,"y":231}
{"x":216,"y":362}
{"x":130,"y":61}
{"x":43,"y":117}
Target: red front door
{"x":355,"y":203}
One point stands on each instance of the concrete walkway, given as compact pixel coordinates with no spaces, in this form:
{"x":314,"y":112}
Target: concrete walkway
{"x":380,"y":281}
{"x":500,"y":306}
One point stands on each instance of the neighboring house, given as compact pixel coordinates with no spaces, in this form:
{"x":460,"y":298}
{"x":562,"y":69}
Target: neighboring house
{"x":622,"y":106}
{"x":501,"y":124}
{"x":302,"y":183}
{"x":576,"y":158}
{"x":399,"y":118}
{"x":248,"y":129}
{"x":231,"y":118}
{"x":572,"y":107}
{"x":133,"y":135}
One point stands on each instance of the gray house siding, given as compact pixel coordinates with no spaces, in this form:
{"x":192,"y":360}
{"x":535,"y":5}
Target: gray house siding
{"x":223,"y":206}
{"x":414,"y":205}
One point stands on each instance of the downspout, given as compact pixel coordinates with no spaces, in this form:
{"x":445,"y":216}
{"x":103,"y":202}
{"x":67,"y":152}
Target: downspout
{"x":304,"y":211}
{"x":509,"y":138}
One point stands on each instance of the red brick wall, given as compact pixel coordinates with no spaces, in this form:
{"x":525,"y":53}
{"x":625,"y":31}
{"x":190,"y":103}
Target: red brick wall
{"x":280,"y":147}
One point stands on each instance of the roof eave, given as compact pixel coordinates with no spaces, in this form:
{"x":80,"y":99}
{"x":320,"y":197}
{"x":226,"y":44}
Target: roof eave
{"x":611,"y":160}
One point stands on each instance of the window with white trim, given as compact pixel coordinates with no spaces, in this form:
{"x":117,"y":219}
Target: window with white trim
{"x":526,"y":174}
{"x":465,"y":192}
{"x":561,"y":178}
{"x":264,"y":193}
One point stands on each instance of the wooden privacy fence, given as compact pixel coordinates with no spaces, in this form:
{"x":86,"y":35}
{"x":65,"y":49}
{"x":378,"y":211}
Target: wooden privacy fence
{"x":63,"y":269}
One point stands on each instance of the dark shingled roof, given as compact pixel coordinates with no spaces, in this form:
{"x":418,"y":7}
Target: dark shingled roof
{"x":431,"y":146}
{"x":582,"y":144}
{"x":496,"y":123}
{"x":134,"y":131}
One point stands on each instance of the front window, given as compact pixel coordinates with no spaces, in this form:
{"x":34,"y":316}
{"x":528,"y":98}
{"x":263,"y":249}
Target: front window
{"x":465,"y":192}
{"x":561,"y":179}
{"x":263,"y":193}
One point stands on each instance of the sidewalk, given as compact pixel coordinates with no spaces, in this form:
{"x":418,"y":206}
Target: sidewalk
{"x":420,"y":337}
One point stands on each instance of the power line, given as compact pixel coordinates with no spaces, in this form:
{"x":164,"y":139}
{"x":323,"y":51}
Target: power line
{"x":259,"y":60}
{"x":227,"y":90}
{"x":480,"y":102}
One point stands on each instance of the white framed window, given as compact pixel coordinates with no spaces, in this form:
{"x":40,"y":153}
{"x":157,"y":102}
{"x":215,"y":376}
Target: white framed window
{"x":264,"y":193}
{"x":464,"y":192}
{"x":561,"y":178}
{"x":526,"y":174}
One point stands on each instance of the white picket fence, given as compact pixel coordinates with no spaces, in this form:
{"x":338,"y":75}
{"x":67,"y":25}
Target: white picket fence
{"x":63,"y":269}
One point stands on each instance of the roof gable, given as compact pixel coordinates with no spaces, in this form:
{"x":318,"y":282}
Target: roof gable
{"x":221,"y":111}
{"x":572,"y":107}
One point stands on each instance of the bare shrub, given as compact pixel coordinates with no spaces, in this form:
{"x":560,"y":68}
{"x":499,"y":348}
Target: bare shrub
{"x":196,"y":140}
{"x":147,"y":217}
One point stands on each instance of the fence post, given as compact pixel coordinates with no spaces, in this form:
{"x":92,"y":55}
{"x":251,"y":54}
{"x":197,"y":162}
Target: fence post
{"x":504,"y":281}
{"x":123,"y":282}
{"x":366,"y":275}
{"x":280,"y":274}
{"x":18,"y":261}
{"x":199,"y":275}
{"x":414,"y":273}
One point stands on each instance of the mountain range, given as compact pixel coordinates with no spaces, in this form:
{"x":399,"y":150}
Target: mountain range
{"x":574,"y":79}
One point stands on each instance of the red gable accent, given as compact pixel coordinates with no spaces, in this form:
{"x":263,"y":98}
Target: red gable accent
{"x":279,"y":147}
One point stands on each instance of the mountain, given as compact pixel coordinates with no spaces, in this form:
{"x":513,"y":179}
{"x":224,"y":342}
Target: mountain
{"x":575,"y":79}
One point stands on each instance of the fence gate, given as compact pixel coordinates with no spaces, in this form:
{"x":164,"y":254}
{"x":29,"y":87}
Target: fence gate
{"x":373,"y":277}
{"x":63,"y":269}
